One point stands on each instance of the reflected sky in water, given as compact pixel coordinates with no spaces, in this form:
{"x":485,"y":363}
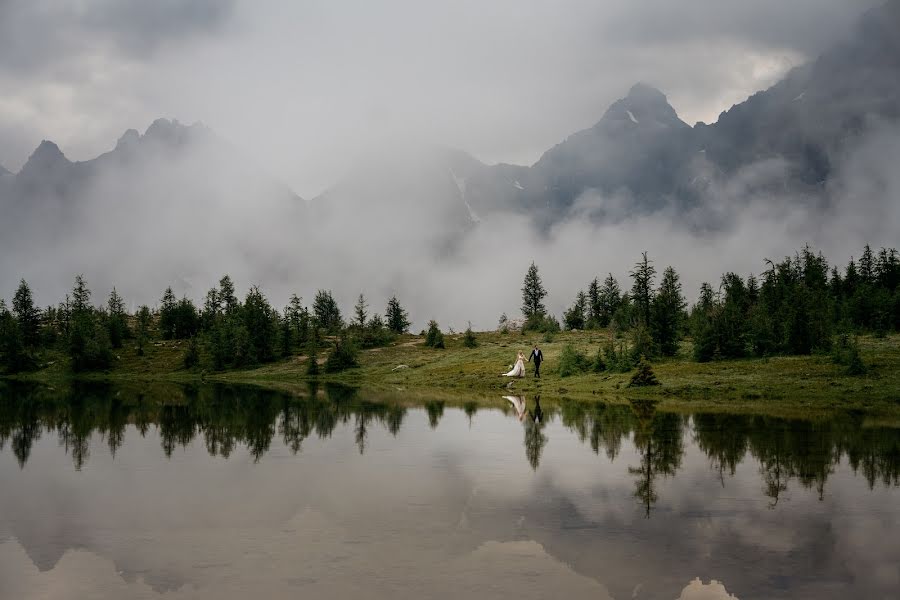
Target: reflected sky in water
{"x":223,"y":493}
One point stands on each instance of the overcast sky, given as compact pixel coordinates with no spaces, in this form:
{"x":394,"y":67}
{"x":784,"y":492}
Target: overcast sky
{"x":303,"y":86}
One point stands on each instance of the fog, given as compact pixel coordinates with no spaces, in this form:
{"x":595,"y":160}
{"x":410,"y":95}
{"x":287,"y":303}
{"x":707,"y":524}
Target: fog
{"x":305,"y":92}
{"x":303,"y":85}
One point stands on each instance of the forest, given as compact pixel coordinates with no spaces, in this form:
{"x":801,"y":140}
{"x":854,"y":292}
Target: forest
{"x":800,"y":305}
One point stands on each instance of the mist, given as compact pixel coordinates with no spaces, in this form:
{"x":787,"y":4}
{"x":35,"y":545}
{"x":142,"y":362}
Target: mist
{"x":455,"y":275}
{"x":349,"y":99}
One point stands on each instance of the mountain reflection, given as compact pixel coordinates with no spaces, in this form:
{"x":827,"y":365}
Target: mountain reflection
{"x":228,"y":417}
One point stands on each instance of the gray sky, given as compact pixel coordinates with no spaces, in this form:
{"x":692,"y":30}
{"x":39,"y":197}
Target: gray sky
{"x":303,"y":86}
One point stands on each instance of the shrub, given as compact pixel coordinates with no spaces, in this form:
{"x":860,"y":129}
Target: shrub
{"x":541,"y":324}
{"x":617,"y":359}
{"x":846,"y":352}
{"x":469,"y":339}
{"x":312,"y":363}
{"x":433,"y":335}
{"x":192,"y":354}
{"x":644,"y":377}
{"x":438,"y":341}
{"x":572,"y":362}
{"x":342,"y":357}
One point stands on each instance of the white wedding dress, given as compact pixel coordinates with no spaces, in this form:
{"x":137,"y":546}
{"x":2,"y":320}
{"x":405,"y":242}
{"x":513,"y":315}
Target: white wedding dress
{"x":518,"y":370}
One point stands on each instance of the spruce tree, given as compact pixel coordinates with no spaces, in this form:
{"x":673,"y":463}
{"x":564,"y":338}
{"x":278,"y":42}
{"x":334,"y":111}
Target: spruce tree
{"x":27,"y":316}
{"x":642,"y":288}
{"x":360,"y":312}
{"x":533,"y":294}
{"x":227,"y":297}
{"x":328,"y":315}
{"x":167,"y":316}
{"x":397,"y":318}
{"x":116,"y":319}
{"x":610,"y":300}
{"x":667,"y":313}
{"x":144,"y":319}
{"x":574,"y":318}
{"x":13,"y":356}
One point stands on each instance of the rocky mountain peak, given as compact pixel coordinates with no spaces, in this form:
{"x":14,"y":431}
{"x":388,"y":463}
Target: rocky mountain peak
{"x":128,"y":139}
{"x":46,"y":156}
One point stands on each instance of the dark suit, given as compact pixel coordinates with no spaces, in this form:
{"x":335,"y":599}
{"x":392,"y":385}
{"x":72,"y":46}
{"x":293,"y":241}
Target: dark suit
{"x":538,"y":357}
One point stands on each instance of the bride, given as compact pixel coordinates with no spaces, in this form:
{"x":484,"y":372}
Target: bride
{"x":519,"y":369}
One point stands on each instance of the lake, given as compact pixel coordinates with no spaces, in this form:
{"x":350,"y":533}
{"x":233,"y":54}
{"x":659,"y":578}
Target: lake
{"x":227,"y":492}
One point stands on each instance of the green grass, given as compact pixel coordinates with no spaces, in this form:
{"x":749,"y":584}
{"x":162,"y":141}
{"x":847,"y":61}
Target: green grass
{"x":797,"y":384}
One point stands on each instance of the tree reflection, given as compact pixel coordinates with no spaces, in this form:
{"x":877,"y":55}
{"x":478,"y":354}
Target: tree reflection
{"x":659,"y":441}
{"x":226,"y":418}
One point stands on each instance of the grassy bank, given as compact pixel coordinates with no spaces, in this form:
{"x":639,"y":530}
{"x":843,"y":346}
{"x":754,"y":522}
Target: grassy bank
{"x":795,"y":383}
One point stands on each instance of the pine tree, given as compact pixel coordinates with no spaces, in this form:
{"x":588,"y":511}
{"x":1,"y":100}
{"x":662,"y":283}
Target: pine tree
{"x":574,"y":318}
{"x":167,"y":316}
{"x":361,"y":314}
{"x":89,"y":346}
{"x":227,"y":297}
{"x":260,"y":322}
{"x":397,"y":318}
{"x":667,"y":314}
{"x":434,"y":336}
{"x":642,"y":288}
{"x":27,"y":316}
{"x":13,"y":356}
{"x":144,"y":319}
{"x":610,"y":300}
{"x":81,"y":296}
{"x":867,"y":265}
{"x":533,"y":294}
{"x":703,"y":326}
{"x":116,"y":319}
{"x":328,"y":315}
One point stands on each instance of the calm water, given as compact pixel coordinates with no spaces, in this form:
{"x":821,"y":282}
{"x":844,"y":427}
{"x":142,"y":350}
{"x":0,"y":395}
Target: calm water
{"x":225,"y":493}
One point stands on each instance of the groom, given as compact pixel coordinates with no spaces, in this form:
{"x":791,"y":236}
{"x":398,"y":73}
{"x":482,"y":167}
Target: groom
{"x":538,"y":358}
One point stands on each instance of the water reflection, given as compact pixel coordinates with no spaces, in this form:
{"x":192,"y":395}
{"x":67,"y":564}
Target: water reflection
{"x":335,"y":493}
{"x":228,"y":417}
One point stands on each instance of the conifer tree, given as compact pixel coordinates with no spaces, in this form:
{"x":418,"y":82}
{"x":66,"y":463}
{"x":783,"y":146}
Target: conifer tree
{"x":667,"y":314}
{"x":28,"y":316}
{"x":167,"y":316}
{"x":574,"y":318}
{"x":595,"y":307}
{"x":360,"y":312}
{"x":13,"y":356}
{"x":469,"y":339}
{"x":227,"y":298}
{"x":610,"y":300}
{"x":328,"y":315}
{"x":533,"y":294}
{"x":312,"y":363}
{"x":397,"y":318}
{"x":116,"y":319}
{"x":144,"y":319}
{"x":642,"y":288}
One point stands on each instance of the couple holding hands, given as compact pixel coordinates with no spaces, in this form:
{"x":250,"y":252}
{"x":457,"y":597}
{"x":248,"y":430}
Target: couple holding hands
{"x":519,"y":369}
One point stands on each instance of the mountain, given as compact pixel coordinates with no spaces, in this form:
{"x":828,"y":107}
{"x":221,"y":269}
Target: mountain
{"x":3,"y":171}
{"x":640,"y":157}
{"x":176,"y":195}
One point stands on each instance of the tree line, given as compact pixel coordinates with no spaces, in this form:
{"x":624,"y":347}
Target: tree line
{"x":225,"y":332}
{"x":799,"y":305}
